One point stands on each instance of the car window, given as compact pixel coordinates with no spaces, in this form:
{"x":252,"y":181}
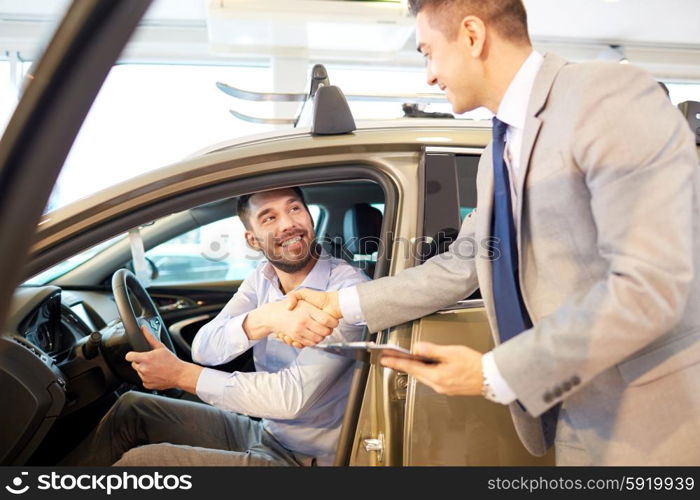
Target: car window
{"x":378,"y":206}
{"x":466,"y":183}
{"x":450,"y":195}
{"x":71,"y":263}
{"x":213,"y":252}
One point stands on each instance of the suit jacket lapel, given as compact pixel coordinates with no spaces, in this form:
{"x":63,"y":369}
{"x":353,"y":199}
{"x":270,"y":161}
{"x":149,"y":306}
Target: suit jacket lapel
{"x":530,"y":133}
{"x":540,"y":91}
{"x":543,"y":84}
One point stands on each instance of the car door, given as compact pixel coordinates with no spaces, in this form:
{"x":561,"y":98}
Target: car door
{"x":442,"y":430}
{"x":32,"y":152}
{"x":48,"y":117}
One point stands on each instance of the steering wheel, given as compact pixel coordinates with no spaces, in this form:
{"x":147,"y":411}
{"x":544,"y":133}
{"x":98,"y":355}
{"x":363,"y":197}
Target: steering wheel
{"x":136,"y":309}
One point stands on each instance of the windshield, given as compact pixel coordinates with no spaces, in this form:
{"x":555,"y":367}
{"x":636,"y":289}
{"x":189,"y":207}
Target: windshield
{"x":71,"y":263}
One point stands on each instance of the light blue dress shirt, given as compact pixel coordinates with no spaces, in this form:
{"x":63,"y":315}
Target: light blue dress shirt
{"x":299,"y":393}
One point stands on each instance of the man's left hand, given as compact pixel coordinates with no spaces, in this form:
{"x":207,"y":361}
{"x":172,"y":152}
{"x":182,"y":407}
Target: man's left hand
{"x":161,"y":369}
{"x":457,"y":373}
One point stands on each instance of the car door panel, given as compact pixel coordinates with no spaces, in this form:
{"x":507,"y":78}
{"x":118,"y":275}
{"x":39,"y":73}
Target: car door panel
{"x":451,"y":430}
{"x":460,"y":430}
{"x":180,"y":302}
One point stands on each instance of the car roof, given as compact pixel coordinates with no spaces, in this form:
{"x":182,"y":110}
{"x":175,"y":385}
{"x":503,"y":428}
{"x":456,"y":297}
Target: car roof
{"x":218,"y":163}
{"x":408,"y":134}
{"x":362,"y":125}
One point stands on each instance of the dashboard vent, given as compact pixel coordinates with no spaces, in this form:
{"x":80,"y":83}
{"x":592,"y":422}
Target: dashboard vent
{"x":31,"y":348}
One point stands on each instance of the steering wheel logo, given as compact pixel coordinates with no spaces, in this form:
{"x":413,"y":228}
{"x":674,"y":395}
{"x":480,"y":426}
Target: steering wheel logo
{"x":17,"y":482}
{"x":155,"y":327}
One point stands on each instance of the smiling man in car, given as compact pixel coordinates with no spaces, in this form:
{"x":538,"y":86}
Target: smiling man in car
{"x":299,"y":395}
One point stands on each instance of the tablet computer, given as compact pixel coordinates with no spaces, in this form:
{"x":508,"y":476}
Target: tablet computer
{"x":362,"y":351}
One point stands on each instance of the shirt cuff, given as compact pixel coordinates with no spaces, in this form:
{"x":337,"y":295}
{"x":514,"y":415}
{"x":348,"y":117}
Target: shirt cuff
{"x":502,"y":393}
{"x":210,"y":386}
{"x":236,"y":333}
{"x":349,"y":302}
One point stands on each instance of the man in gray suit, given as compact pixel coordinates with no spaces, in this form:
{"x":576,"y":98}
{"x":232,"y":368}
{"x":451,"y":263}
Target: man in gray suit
{"x":590,"y":191}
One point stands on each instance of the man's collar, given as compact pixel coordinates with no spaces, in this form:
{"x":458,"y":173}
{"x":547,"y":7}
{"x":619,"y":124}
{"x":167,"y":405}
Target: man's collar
{"x":268,"y":272}
{"x":317,"y":279}
{"x":319,"y":276}
{"x":513,"y":107}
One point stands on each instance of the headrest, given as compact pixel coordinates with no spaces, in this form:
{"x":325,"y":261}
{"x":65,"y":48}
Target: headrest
{"x":691,"y":110}
{"x":362,"y":228}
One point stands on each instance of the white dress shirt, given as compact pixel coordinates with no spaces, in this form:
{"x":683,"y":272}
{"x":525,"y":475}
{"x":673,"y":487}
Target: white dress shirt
{"x":300,"y":394}
{"x":513,"y":112}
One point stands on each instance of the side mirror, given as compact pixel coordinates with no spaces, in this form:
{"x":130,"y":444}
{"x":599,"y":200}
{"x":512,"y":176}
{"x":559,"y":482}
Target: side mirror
{"x":154,"y":269}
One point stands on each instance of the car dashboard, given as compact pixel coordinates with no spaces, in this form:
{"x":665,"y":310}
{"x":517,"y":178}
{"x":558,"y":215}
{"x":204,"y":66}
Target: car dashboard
{"x":43,"y":366}
{"x":53,"y":327}
{"x":54,"y":320}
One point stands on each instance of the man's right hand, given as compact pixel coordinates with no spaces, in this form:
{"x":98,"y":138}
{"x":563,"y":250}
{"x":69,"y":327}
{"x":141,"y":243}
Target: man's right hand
{"x":301,"y":321}
{"x":326,"y":302}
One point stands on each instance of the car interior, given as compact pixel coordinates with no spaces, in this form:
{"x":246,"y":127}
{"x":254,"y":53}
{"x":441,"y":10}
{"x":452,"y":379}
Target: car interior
{"x":73,"y":313}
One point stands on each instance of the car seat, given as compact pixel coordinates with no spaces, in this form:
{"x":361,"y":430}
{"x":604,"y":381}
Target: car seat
{"x":362,"y":228}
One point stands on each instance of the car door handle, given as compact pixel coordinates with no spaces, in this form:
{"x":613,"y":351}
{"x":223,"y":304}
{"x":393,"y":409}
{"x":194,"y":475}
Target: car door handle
{"x":176,"y":306}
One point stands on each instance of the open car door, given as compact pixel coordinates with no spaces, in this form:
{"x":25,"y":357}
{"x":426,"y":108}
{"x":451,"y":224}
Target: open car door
{"x":449,"y":430}
{"x":32,"y":152}
{"x":48,"y":117}
{"x":407,"y":423}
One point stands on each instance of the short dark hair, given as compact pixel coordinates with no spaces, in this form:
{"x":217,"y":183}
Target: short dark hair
{"x":508,"y":17}
{"x":243,"y":204}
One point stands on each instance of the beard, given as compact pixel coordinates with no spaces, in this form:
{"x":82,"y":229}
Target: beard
{"x":290,"y":266}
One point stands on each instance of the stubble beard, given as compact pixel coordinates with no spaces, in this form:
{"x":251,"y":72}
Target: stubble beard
{"x":293,"y":266}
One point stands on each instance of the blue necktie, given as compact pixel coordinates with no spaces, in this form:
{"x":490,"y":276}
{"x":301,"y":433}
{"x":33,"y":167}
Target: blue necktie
{"x":511,"y":316}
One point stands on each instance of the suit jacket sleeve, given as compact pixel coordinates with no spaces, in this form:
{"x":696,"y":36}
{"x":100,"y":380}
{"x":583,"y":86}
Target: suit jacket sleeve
{"x":636,"y":156}
{"x":424,"y":289}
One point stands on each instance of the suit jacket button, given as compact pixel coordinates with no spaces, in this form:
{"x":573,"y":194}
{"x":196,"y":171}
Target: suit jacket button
{"x":548,"y":397}
{"x":557,"y":392}
{"x":566,"y":386}
{"x":575,"y":380}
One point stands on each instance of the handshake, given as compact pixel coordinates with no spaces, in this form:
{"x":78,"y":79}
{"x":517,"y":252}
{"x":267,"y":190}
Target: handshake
{"x":304,"y":319}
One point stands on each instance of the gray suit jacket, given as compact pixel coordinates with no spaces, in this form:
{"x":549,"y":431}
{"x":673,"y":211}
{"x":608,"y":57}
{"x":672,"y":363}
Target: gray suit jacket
{"x":609,"y":249}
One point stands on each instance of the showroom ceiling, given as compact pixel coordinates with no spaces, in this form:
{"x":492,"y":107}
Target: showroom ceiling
{"x":661,"y":35}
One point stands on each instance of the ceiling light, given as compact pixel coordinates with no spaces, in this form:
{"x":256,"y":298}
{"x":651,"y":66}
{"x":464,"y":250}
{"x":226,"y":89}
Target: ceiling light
{"x":286,"y":27}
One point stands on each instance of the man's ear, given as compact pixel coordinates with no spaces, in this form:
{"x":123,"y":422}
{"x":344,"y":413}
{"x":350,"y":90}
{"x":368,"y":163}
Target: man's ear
{"x":473,"y":30}
{"x":252,"y":241}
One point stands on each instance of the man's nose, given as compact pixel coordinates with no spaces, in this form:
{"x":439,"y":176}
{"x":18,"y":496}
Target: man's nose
{"x":429,"y":76}
{"x":285,"y":221}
